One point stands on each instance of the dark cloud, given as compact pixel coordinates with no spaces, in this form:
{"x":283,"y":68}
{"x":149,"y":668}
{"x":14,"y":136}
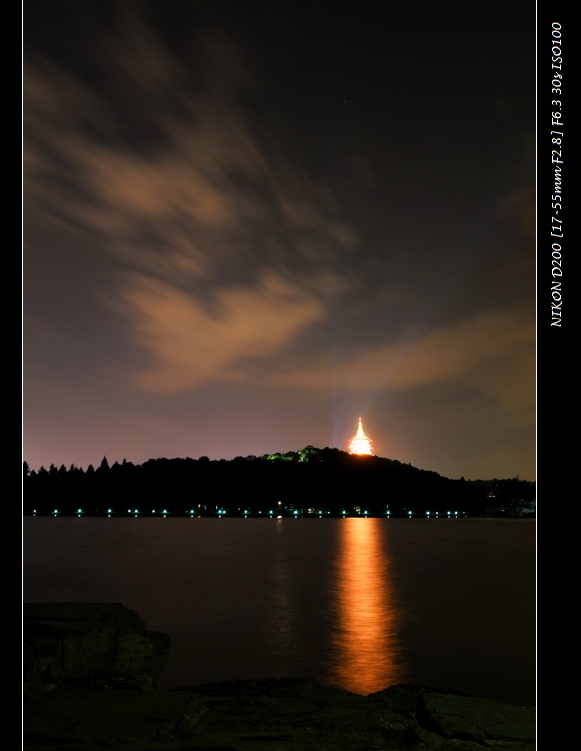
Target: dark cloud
{"x":241,"y":260}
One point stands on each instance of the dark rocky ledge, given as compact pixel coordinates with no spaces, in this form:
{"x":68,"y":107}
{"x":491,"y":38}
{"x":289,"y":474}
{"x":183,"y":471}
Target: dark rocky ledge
{"x":86,"y":645}
{"x":88,"y":682}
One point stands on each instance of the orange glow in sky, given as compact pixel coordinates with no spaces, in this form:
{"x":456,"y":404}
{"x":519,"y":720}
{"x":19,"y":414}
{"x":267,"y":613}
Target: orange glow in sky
{"x":360,"y":444}
{"x":365,"y":652}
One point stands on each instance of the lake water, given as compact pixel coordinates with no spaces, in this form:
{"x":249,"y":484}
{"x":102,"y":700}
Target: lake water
{"x":360,"y":603}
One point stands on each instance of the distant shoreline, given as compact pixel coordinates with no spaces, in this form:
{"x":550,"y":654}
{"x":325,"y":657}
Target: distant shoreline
{"x":149,"y":515}
{"x":311,"y":482}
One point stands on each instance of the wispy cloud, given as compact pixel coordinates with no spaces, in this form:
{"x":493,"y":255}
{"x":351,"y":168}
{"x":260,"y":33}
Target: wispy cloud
{"x":200,"y":213}
{"x":192,"y":346}
{"x":492,"y":352}
{"x":226,"y":250}
{"x":199,"y":195}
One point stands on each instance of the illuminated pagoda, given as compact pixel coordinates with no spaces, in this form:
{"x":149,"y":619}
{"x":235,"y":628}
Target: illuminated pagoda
{"x":360,"y":444}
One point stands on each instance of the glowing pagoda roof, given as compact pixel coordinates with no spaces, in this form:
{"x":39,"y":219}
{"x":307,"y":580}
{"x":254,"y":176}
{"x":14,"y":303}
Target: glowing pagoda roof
{"x":360,"y":444}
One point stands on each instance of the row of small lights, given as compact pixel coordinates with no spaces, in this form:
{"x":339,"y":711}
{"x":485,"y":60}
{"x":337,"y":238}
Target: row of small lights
{"x":221,"y":512}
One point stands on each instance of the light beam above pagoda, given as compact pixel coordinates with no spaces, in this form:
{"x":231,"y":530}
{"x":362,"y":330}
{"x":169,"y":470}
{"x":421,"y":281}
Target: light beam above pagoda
{"x":360,"y":444}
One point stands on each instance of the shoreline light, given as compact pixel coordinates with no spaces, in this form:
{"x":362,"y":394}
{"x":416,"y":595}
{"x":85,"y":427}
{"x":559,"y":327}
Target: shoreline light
{"x":360,"y":444}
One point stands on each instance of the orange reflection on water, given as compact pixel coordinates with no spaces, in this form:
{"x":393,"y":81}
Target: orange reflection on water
{"x":364,"y":656}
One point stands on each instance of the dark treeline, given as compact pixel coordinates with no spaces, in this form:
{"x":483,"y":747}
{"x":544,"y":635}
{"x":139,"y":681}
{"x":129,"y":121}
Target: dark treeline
{"x":308,"y":482}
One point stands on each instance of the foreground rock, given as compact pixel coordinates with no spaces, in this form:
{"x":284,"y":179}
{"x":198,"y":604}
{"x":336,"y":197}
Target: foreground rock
{"x":90,"y":719}
{"x":303,"y":713}
{"x":285,"y":714}
{"x":90,"y":646}
{"x":78,"y":657}
{"x":476,"y":719}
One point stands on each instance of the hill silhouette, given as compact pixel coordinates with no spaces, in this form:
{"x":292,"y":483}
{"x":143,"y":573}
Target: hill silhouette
{"x":311,"y":481}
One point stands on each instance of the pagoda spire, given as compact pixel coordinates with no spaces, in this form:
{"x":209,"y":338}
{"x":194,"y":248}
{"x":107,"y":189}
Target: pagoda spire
{"x":360,"y":444}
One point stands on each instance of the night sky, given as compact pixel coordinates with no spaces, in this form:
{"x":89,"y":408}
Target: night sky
{"x":249,"y":223}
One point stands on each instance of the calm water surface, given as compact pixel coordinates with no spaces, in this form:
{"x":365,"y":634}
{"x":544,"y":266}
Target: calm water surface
{"x":360,"y":603}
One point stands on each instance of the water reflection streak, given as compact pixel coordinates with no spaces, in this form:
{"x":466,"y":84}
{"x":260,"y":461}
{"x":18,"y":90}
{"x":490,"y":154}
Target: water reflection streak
{"x":365,"y":652}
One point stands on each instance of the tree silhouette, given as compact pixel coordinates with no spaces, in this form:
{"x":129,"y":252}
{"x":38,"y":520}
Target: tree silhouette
{"x":325,"y":480}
